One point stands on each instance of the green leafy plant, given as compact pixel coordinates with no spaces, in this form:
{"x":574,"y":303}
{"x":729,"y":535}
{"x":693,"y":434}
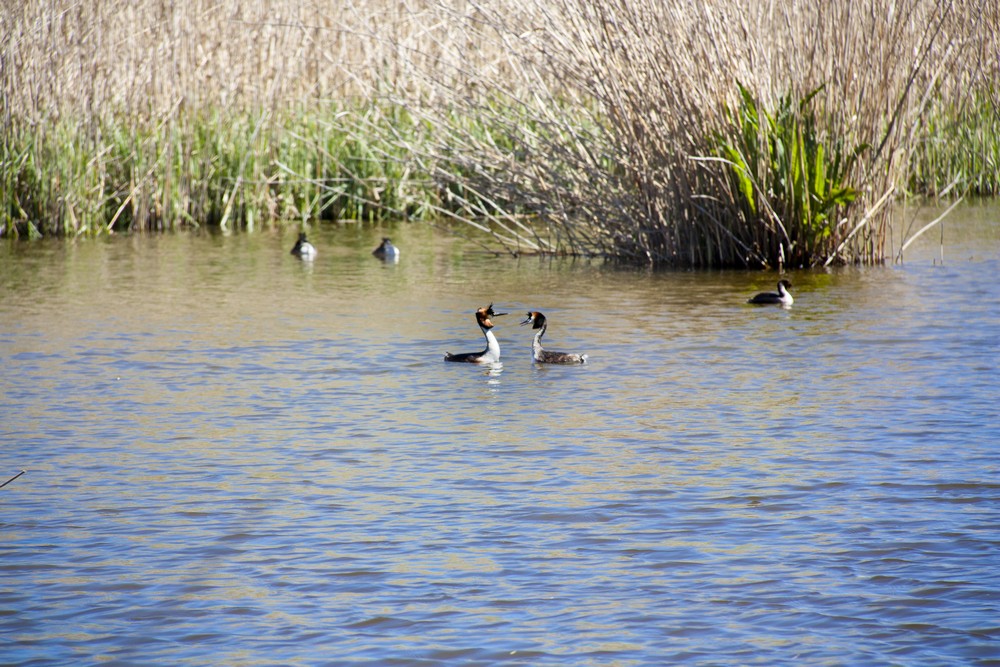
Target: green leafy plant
{"x":785,"y":178}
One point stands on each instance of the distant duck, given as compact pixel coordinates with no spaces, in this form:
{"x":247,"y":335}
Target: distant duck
{"x":386,"y":250}
{"x":492,"y":352}
{"x":537,"y":320}
{"x":782,"y":296}
{"x":303,"y":248}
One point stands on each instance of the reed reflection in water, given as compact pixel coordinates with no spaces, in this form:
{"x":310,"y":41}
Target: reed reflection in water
{"x":235,"y":457}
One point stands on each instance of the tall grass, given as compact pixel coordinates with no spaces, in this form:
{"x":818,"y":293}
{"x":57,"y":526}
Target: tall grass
{"x":655,"y":131}
{"x":791,"y":188}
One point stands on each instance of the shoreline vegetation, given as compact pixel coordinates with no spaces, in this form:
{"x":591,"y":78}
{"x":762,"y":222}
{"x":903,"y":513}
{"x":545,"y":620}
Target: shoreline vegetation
{"x":648,"y":131}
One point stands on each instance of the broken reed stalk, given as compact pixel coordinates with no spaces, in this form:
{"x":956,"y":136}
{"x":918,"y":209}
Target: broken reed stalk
{"x":12,"y":478}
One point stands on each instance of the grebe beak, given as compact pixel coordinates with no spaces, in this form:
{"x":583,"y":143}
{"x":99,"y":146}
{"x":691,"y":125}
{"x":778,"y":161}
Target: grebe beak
{"x":531,"y":318}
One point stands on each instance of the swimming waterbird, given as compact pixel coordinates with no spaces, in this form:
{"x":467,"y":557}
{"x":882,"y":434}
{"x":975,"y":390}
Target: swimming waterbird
{"x":492,"y":352}
{"x":782,"y":296}
{"x":303,"y":248}
{"x":542,"y":356}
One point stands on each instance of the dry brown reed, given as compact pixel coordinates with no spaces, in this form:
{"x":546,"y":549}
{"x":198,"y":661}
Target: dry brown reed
{"x":148,"y":58}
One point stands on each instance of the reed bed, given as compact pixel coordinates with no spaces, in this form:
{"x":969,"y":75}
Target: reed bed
{"x":660,"y":131}
{"x":718,"y":134}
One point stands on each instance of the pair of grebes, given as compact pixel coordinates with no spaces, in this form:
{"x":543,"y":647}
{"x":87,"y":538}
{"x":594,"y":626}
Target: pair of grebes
{"x":484,"y":318}
{"x":491,"y":355}
{"x":306,"y":250}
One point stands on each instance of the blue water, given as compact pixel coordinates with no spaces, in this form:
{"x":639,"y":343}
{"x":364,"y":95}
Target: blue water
{"x":237,"y":458}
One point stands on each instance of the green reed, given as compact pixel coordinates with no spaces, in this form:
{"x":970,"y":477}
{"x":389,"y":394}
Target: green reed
{"x":958,"y":150}
{"x":239,"y":169}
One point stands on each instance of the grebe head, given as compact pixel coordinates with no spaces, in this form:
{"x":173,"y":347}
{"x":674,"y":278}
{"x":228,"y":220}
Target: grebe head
{"x":784,"y":286}
{"x":483,"y":316}
{"x":536,"y":318}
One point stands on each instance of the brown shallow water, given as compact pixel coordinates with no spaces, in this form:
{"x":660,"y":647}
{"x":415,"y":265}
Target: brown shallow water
{"x":238,"y":458}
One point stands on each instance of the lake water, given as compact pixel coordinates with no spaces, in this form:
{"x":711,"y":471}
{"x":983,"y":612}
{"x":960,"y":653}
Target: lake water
{"x":237,"y":458}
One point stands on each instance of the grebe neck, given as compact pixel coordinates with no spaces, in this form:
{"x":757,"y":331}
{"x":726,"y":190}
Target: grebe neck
{"x":784,"y":294}
{"x":492,"y":352}
{"x":536,"y":343}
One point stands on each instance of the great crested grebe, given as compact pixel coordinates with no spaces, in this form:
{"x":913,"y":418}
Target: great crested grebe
{"x":303,"y":248}
{"x":386,"y":250}
{"x":492,"y":352}
{"x":537,"y":321}
{"x":782,"y":296}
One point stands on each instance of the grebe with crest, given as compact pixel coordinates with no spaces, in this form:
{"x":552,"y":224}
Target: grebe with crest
{"x":782,"y":296}
{"x":303,"y":248}
{"x":542,"y":356}
{"x":386,"y":250}
{"x":492,"y":352}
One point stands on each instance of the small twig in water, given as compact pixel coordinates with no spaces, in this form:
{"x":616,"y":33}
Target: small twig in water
{"x":12,"y":478}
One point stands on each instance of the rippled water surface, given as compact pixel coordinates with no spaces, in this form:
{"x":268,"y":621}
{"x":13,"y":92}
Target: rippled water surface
{"x":237,"y":458}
